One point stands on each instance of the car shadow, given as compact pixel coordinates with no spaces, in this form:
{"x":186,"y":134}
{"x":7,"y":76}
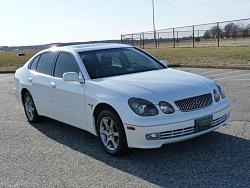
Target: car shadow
{"x":215,"y":159}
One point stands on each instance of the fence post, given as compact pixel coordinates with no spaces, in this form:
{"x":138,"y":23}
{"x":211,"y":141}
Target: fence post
{"x":158,"y":39}
{"x":132,"y":39}
{"x":121,"y":39}
{"x":155,"y":39}
{"x":174,"y":37}
{"x":193,"y":36}
{"x":218,"y":34}
{"x":142,"y":40}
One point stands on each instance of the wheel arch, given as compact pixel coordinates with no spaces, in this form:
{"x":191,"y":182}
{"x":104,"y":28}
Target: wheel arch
{"x":99,"y":108}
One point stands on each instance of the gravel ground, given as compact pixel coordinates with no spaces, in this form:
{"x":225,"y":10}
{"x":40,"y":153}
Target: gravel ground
{"x":52,"y":154}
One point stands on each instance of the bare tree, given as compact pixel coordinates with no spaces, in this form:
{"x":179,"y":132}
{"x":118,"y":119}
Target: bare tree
{"x":207,"y":34}
{"x":246,"y":32}
{"x":231,"y":30}
{"x":213,"y":33}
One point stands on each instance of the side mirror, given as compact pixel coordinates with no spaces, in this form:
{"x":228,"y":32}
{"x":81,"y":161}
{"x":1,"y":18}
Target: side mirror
{"x":73,"y":77}
{"x":164,"y":63}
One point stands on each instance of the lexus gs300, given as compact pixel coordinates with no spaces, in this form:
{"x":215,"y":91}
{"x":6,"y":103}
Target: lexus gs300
{"x":121,"y":94}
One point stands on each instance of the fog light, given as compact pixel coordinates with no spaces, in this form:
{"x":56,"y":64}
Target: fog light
{"x":153,"y":136}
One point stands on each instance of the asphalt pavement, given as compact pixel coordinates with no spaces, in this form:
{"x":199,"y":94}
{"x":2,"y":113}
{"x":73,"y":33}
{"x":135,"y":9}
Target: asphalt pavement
{"x":53,"y":154}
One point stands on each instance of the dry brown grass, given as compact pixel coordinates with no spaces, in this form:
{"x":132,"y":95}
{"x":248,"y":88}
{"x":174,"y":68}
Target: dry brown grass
{"x":209,"y":56}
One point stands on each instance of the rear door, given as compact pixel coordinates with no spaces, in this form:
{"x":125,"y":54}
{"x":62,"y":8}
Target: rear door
{"x":67,"y":97}
{"x":39,"y":78}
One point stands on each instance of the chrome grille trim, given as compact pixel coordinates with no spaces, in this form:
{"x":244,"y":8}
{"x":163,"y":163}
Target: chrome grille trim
{"x":190,"y":130}
{"x":194,"y":103}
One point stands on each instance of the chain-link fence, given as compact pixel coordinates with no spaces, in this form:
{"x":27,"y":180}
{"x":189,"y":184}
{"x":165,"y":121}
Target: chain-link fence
{"x":228,"y":33}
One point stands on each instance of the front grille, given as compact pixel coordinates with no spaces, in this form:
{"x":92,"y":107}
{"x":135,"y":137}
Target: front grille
{"x":194,"y":103}
{"x":190,"y":130}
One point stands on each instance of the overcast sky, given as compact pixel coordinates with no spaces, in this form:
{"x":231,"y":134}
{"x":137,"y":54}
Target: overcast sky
{"x":31,"y":22}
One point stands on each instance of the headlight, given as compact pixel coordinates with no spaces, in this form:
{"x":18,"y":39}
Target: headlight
{"x":222,"y":94}
{"x":142,"y":107}
{"x":166,"y":108}
{"x":216,"y":94}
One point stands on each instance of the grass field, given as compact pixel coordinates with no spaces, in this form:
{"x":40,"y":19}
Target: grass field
{"x":207,"y":56}
{"x":9,"y":60}
{"x":204,"y":56}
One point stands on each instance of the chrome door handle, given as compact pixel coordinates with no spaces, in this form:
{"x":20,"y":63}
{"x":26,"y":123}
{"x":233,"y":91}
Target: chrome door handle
{"x":53,"y":85}
{"x":30,"y":79}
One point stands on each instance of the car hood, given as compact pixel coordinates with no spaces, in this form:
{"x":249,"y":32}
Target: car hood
{"x":166,"y":84}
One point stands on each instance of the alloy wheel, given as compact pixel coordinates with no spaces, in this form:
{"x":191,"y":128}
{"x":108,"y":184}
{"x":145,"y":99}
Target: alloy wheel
{"x":29,"y":107}
{"x":109,"y":133}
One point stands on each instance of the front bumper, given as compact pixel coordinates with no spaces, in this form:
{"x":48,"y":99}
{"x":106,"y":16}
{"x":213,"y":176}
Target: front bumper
{"x":172,"y":132}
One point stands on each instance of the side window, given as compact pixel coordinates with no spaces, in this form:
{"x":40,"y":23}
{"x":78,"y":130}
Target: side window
{"x":65,"y":63}
{"x":45,"y":62}
{"x":34,"y":63}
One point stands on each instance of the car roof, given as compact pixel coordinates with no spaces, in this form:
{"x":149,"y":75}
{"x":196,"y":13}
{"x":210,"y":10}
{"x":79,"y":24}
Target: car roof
{"x":88,"y":47}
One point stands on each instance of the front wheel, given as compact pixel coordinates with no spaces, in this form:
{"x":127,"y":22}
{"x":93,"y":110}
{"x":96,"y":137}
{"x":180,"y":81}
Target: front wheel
{"x":111,"y":133}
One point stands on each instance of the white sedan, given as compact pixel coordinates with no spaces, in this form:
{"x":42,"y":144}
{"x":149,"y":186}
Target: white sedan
{"x":121,"y":94}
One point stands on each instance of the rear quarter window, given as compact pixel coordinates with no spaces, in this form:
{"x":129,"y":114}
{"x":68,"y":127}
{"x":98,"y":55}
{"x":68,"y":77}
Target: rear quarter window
{"x":34,"y":63}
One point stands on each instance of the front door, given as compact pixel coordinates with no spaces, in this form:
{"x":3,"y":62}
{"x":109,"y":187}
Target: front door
{"x":67,"y":97}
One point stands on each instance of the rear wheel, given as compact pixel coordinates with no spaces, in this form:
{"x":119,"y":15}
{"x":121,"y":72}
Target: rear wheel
{"x":29,"y":108}
{"x":111,"y":133}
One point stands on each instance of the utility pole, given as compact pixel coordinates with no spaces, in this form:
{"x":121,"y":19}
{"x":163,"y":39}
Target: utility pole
{"x":153,"y":7}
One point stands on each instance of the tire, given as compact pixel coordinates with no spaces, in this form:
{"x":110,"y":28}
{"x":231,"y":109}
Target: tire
{"x":30,"y":108}
{"x":111,"y":133}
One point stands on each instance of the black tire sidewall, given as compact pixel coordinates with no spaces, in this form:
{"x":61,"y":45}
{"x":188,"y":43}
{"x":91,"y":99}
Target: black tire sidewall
{"x":36,"y":116}
{"x":122,"y":145}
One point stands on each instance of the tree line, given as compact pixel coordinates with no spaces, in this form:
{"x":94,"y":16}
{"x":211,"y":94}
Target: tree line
{"x":231,"y":30}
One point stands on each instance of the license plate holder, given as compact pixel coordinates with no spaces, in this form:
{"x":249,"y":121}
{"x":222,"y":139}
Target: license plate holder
{"x":203,"y":123}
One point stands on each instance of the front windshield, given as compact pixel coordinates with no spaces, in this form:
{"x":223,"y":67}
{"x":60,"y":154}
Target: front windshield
{"x":118,"y":61}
